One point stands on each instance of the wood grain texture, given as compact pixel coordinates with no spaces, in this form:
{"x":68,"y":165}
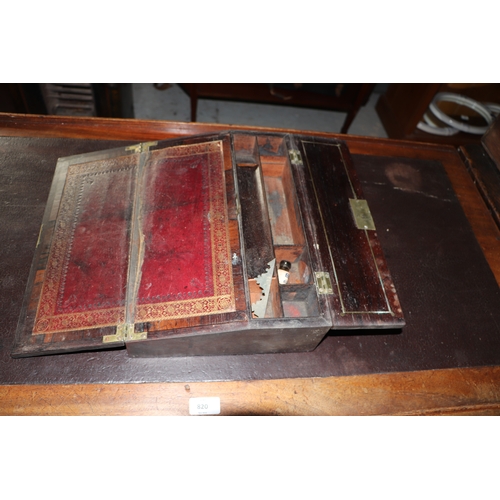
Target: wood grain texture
{"x":458,"y":391}
{"x":96,"y":128}
{"x":19,"y":125}
{"x":363,"y":295}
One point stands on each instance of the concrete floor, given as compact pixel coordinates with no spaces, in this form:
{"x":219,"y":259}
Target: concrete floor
{"x":173,"y":104}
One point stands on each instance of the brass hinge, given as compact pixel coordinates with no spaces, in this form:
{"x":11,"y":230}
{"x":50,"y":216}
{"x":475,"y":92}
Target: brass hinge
{"x":362,"y":215}
{"x":141,"y":147}
{"x":125,"y":333}
{"x":295,"y":156}
{"x":324,"y":283}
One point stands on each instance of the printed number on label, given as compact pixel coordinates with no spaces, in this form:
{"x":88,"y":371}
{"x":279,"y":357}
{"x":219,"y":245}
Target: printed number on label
{"x":204,"y":406}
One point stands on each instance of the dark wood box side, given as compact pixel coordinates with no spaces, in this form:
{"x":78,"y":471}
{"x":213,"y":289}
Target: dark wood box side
{"x":265,"y":337}
{"x":363,"y":294}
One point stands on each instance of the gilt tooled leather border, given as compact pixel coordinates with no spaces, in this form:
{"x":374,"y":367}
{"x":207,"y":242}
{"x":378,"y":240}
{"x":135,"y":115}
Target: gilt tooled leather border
{"x":222,"y":299}
{"x":48,"y":320}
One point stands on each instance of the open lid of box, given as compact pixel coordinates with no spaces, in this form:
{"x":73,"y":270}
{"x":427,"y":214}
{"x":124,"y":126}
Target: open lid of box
{"x":132,"y":238}
{"x":354,"y":277}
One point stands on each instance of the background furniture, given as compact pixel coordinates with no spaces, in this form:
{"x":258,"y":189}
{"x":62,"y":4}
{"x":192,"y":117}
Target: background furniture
{"x":113,"y":100}
{"x":403,"y":105}
{"x":336,"y":97}
{"x":446,"y":361}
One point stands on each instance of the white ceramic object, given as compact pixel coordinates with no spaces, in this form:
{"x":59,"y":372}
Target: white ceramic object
{"x":431,"y":128}
{"x":464,"y":101}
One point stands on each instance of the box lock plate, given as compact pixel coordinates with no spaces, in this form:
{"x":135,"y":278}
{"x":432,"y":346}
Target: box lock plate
{"x":361,"y":214}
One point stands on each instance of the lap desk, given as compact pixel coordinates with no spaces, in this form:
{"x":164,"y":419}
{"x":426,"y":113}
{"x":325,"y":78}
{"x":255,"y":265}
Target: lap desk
{"x":448,"y":293}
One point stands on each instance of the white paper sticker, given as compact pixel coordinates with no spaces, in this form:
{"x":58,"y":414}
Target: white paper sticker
{"x":283,"y":276}
{"x":204,"y":406}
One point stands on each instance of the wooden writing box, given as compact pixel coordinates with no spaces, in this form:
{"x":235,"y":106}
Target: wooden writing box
{"x":172,"y":248}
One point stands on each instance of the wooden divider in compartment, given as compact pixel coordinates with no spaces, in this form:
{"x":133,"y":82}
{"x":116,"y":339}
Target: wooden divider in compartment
{"x":299,"y":301}
{"x":286,"y":223}
{"x":298,"y":296}
{"x":246,"y":150}
{"x":272,"y":226}
{"x":257,"y":236}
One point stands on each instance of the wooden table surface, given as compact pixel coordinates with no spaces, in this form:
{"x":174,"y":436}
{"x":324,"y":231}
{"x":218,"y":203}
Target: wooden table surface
{"x":466,"y":391}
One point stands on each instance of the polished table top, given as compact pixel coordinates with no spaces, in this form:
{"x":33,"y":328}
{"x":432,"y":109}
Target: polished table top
{"x":418,"y":371}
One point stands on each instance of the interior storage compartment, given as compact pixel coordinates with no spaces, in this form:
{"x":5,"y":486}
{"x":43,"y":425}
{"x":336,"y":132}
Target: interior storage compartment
{"x":272,"y":228}
{"x":246,"y":150}
{"x":283,"y":212}
{"x":299,"y":301}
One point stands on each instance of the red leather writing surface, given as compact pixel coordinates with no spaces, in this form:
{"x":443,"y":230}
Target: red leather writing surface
{"x":186,"y":267}
{"x":85,"y":279}
{"x":176,"y":229}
